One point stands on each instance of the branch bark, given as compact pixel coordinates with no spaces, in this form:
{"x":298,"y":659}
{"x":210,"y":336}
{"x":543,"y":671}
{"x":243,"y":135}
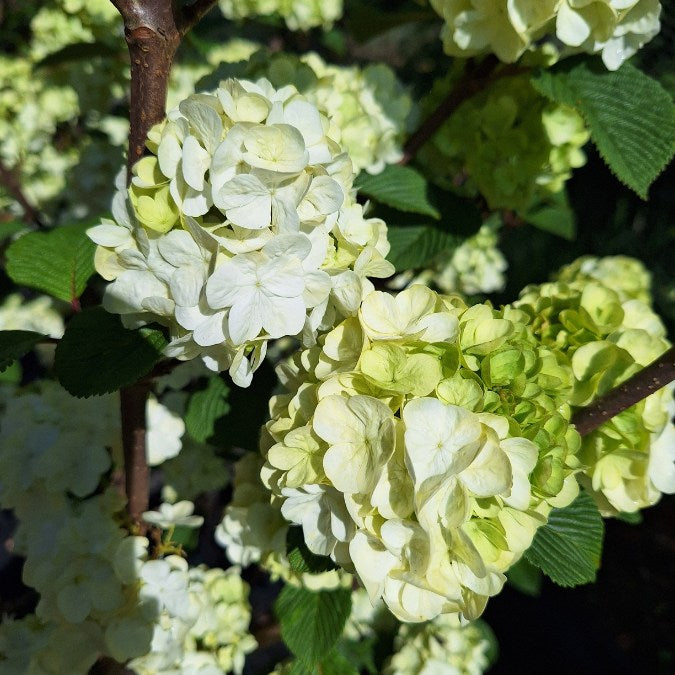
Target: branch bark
{"x":153,"y":30}
{"x":136,"y":472}
{"x":10,"y":179}
{"x":471,"y":82}
{"x":652,"y":378}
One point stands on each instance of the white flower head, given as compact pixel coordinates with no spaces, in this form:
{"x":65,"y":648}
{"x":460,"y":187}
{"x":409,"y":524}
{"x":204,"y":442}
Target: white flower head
{"x":228,"y":236}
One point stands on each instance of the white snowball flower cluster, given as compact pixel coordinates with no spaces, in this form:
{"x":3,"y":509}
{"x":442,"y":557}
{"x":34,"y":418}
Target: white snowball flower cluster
{"x":367,"y":107}
{"x":52,"y":442}
{"x":243,"y":227}
{"x":402,"y":448}
{"x":38,"y":315}
{"x":442,"y":645}
{"x":100,"y":594}
{"x":616,"y":28}
{"x":203,"y":621}
{"x":298,"y":14}
{"x":254,"y":531}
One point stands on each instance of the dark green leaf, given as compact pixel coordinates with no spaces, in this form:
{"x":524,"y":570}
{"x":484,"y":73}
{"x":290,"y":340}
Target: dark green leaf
{"x":365,"y":21}
{"x":301,"y":559}
{"x":311,"y":623}
{"x":205,"y":408}
{"x":417,"y":246}
{"x":525,"y":577}
{"x":401,"y":187}
{"x":98,"y":355}
{"x":58,"y":262}
{"x":359,"y":653}
{"x":10,"y":228}
{"x":631,"y":117}
{"x":15,"y":343}
{"x":568,"y":548}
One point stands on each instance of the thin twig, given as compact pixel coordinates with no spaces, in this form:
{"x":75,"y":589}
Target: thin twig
{"x":652,"y":378}
{"x":9,"y":178}
{"x":475,"y":79}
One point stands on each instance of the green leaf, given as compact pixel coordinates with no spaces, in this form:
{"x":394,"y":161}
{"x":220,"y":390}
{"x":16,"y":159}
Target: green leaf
{"x":568,"y":548}
{"x":15,"y":343}
{"x":399,"y":186}
{"x":58,"y":262}
{"x":359,"y":653}
{"x":311,"y":623}
{"x":555,"y":216}
{"x":416,"y":246}
{"x":10,"y":228}
{"x":12,"y":374}
{"x":205,"y":408}
{"x":98,"y":355}
{"x":525,"y":577}
{"x":301,"y":559}
{"x":631,"y":117}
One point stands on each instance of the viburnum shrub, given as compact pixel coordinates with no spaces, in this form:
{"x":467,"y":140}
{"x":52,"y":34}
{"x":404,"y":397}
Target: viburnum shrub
{"x":351,"y":342}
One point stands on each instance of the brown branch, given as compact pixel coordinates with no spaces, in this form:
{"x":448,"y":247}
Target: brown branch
{"x":652,"y":378}
{"x":191,"y":14}
{"x":471,"y":82}
{"x":9,"y":178}
{"x":136,"y":472}
{"x":153,"y":30}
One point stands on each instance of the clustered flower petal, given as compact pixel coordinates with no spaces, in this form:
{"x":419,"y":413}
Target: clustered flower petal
{"x":241,"y":227}
{"x":507,"y":28}
{"x":421,"y":444}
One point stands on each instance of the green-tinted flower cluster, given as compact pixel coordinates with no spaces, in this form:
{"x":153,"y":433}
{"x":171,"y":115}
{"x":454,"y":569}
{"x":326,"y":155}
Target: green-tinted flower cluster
{"x":298,"y":14}
{"x":615,"y":28}
{"x":46,"y":107}
{"x":421,"y":444}
{"x":595,"y":315}
{"x":508,"y":143}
